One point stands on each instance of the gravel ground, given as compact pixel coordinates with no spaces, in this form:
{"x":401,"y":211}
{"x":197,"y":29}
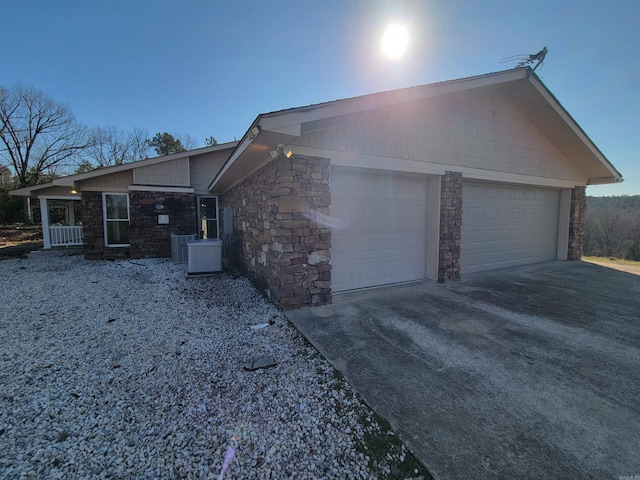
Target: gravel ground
{"x":127,"y":369}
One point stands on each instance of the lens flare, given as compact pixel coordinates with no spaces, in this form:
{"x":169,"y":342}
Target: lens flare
{"x":395,"y":41}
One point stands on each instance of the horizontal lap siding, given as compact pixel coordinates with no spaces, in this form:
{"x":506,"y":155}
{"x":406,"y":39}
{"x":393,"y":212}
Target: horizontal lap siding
{"x":482,"y":132}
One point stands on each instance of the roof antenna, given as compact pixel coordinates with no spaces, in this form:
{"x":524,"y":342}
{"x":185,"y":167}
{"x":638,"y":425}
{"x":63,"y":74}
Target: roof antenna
{"x":527,"y":60}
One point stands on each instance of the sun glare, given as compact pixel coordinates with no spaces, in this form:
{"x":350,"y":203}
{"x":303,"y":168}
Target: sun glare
{"x":394,"y":41}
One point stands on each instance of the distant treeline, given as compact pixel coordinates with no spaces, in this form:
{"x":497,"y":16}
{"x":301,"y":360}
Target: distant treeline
{"x":613,"y":227}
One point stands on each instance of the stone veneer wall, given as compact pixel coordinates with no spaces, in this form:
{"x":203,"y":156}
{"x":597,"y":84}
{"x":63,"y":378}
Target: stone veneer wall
{"x":450,"y":227}
{"x":146,"y":237}
{"x":577,"y":219}
{"x":280,"y":236}
{"x":92,"y":228}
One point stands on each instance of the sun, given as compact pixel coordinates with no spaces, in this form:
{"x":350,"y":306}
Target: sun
{"x":394,"y":41}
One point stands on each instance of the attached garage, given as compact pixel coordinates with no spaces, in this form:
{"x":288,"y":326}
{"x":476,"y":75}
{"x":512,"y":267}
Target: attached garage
{"x":507,"y":225}
{"x":428,"y":182}
{"x":379,"y":228}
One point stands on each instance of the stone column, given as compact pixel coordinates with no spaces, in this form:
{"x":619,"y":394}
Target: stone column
{"x":281,"y":236}
{"x":450,"y":227}
{"x":92,"y":229}
{"x":577,"y":218}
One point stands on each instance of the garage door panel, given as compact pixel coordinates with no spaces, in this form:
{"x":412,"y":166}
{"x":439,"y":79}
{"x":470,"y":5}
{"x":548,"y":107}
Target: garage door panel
{"x":507,"y":225}
{"x":381,"y":237}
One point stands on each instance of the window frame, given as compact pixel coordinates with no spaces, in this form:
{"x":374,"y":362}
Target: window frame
{"x":217,"y":217}
{"x":105,"y":219}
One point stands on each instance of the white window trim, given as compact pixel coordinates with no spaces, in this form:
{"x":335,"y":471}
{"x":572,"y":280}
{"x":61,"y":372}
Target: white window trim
{"x":104,"y":219}
{"x":199,"y":200}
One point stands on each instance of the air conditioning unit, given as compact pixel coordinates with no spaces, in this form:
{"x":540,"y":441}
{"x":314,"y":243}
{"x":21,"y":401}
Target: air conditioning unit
{"x":179,"y":247}
{"x":205,"y":256}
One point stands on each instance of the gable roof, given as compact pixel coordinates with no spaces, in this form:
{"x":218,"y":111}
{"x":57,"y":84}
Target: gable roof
{"x":72,"y":180}
{"x":520,"y":86}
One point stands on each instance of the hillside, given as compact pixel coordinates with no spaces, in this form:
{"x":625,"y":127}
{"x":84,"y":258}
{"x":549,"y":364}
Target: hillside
{"x":613,"y":227}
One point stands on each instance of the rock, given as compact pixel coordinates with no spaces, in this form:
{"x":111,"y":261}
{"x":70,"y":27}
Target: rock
{"x":319,"y":256}
{"x":263,"y":361}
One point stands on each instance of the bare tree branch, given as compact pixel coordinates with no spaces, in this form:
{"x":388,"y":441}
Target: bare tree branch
{"x":111,"y":146}
{"x":37,"y":134}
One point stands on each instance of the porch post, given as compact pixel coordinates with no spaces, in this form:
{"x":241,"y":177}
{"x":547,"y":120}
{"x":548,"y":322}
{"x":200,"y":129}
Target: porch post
{"x":44,"y":216}
{"x":72,"y":212}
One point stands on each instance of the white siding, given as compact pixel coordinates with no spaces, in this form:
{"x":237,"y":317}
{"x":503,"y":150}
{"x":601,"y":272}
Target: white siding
{"x":481,"y":132}
{"x":174,"y":173}
{"x":204,"y":168}
{"x":117,"y":181}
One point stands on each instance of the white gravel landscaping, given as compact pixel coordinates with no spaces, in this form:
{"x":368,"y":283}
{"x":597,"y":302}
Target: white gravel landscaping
{"x":127,"y":369}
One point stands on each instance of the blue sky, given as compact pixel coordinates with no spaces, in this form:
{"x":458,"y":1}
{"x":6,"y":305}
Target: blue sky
{"x":210,"y":67}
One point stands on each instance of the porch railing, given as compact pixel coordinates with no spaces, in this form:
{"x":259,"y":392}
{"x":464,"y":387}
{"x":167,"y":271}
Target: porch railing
{"x":66,"y":235}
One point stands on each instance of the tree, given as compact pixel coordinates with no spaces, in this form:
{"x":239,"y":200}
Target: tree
{"x":37,"y":135}
{"x":10,"y":207}
{"x":188,"y":141}
{"x":210,"y":142}
{"x":111,"y":146}
{"x":165,"y":143}
{"x":610,"y":223}
{"x":633,"y":225}
{"x":85,"y":166}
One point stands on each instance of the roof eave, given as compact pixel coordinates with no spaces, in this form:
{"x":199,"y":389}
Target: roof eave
{"x":605,"y":180}
{"x":72,"y":180}
{"x":616,"y":176}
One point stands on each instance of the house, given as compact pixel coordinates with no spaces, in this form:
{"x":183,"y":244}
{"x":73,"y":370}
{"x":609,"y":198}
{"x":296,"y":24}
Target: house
{"x":131,"y":210}
{"x":429,"y":182}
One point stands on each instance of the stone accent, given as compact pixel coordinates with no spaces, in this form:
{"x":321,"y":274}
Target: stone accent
{"x":279,"y":239}
{"x":146,"y":237}
{"x":577,"y":219}
{"x":92,"y":227}
{"x":450,"y":227}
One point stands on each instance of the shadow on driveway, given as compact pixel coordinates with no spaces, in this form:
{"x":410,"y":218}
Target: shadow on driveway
{"x":529,"y":372}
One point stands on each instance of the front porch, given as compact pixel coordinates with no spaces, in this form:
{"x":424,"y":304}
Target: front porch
{"x":61,"y":221}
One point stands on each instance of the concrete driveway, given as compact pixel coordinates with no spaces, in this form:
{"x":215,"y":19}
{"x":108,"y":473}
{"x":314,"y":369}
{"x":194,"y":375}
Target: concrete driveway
{"x":532,"y":372}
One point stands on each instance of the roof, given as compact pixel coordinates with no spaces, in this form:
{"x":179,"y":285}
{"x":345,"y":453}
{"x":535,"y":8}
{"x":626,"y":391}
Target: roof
{"x":71,"y":180}
{"x":520,"y":86}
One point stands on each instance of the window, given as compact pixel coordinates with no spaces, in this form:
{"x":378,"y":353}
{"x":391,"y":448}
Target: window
{"x":208,"y":215}
{"x":116,"y":219}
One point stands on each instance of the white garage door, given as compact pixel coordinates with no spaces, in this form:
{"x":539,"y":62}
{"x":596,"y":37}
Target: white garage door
{"x":378,"y":228}
{"x":507,"y":225}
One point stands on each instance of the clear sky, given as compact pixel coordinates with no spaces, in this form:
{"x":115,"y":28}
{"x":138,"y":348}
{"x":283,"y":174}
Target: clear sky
{"x":207,"y":67}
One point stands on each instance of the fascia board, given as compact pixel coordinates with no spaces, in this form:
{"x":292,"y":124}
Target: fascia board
{"x":59,"y":197}
{"x":240,"y":148}
{"x":568,"y":119}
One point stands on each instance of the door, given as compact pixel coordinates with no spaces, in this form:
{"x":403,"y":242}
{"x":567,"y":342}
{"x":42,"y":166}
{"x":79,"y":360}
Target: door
{"x":506,"y":225}
{"x":208,"y":216}
{"x":378,"y":228}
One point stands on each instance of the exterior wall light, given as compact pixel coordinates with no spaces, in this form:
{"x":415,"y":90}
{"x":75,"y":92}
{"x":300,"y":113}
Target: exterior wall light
{"x":282,"y":149}
{"x":253,"y":133}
